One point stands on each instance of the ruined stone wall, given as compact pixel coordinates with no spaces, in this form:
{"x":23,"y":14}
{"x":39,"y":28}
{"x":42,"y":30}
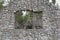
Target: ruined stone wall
{"x":35,"y":5}
{"x":13,"y":34}
{"x":7,"y":20}
{"x":58,"y":23}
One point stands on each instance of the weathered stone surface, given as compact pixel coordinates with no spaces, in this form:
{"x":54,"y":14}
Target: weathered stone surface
{"x":50,"y":21}
{"x":24,"y":35}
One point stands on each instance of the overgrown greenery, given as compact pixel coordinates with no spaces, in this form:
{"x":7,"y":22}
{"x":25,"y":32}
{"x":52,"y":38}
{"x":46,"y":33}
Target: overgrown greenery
{"x":1,"y":6}
{"x":20,"y":18}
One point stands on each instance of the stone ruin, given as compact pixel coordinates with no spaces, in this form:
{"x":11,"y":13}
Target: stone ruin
{"x":50,"y":19}
{"x":8,"y":17}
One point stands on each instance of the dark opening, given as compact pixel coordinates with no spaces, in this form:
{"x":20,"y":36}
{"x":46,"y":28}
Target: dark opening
{"x":20,"y":20}
{"x":29,"y":27}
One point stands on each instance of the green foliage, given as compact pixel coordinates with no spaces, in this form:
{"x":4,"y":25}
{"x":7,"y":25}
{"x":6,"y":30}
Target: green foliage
{"x":30,"y":15}
{"x":1,"y":6}
{"x":20,"y":18}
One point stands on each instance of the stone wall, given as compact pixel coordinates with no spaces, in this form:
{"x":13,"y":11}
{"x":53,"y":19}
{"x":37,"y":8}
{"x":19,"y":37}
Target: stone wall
{"x":23,"y":34}
{"x":58,"y":23}
{"x":7,"y":15}
{"x":7,"y":20}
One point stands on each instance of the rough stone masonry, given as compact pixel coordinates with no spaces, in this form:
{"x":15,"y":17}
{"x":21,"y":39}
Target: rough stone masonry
{"x":49,"y":19}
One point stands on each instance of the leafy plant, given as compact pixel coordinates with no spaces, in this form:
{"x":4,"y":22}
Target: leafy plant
{"x":20,"y":18}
